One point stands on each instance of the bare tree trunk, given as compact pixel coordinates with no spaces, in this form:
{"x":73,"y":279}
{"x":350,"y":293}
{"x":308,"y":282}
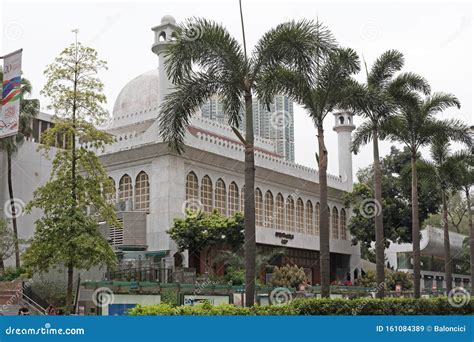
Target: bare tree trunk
{"x":13,"y":207}
{"x":471,"y":235}
{"x":415,"y":227}
{"x":2,"y":266}
{"x":379,"y":233}
{"x":324,"y":257}
{"x":70,"y":280}
{"x":249,"y":211}
{"x":448,"y":265}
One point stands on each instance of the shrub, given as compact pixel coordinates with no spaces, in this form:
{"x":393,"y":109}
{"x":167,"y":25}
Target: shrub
{"x":398,"y":277}
{"x":318,"y":306}
{"x":288,"y":276}
{"x":12,"y":273}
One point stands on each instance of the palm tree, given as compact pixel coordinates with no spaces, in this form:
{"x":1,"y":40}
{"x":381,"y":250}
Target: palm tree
{"x":29,"y":108}
{"x":444,"y":168}
{"x":223,"y":68}
{"x":416,"y":126}
{"x":463,"y":175}
{"x":320,"y":92}
{"x":375,"y":101}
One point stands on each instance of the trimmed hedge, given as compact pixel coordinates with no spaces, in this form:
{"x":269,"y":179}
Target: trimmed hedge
{"x":317,"y":306}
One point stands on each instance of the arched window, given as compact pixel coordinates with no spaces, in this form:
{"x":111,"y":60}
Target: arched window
{"x":206,"y":194}
{"x":142,"y":192}
{"x":258,"y":207}
{"x":126,"y":190}
{"x":221,"y":197}
{"x":242,"y":199}
{"x":290,"y":214}
{"x":112,"y":195}
{"x":299,"y":216}
{"x":343,"y":230}
{"x":280,"y":212}
{"x":233,"y":198}
{"x":192,"y":191}
{"x":268,"y":210}
{"x":309,"y":218}
{"x":318,"y":213}
{"x":335,"y":223}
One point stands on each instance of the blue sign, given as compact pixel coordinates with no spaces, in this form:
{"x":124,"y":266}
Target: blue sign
{"x":238,"y":329}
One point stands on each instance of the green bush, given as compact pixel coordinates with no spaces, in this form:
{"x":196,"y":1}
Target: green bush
{"x":288,"y":276}
{"x":317,"y":306}
{"x":404,"y":279}
{"x":11,"y":273}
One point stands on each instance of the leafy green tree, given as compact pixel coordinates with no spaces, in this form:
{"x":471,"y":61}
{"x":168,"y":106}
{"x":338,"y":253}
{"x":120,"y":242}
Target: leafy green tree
{"x":376,"y":101}
{"x":66,"y":234}
{"x":7,"y":244}
{"x":200,"y":231}
{"x":396,"y":194}
{"x":29,"y":108}
{"x":416,"y":126}
{"x":320,"y":88}
{"x":216,"y":63}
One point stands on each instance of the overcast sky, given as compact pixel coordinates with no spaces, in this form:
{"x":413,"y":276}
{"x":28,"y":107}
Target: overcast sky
{"x":435,"y":37}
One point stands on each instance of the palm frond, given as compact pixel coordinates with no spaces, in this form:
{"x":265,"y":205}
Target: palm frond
{"x":295,"y":44}
{"x":408,"y":81}
{"x":206,"y":44}
{"x":362,"y":136}
{"x":438,"y":102}
{"x":281,"y":80}
{"x":179,"y":106}
{"x":385,"y":67}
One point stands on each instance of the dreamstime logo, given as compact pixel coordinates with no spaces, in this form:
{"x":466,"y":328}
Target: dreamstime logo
{"x":102,"y":297}
{"x":280,"y":119}
{"x":13,"y":30}
{"x":192,"y":204}
{"x":370,"y":208}
{"x":280,"y":296}
{"x":191,"y":33}
{"x":369,"y":31}
{"x":458,"y":297}
{"x":17,"y":207}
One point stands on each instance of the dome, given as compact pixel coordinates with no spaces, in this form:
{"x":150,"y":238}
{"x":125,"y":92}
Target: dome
{"x":168,"y":19}
{"x":138,"y":101}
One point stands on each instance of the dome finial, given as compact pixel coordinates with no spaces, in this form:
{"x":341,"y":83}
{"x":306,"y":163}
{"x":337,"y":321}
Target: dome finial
{"x":168,"y":19}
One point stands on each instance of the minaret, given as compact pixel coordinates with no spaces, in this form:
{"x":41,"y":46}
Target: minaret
{"x":163,"y":37}
{"x":344,"y":126}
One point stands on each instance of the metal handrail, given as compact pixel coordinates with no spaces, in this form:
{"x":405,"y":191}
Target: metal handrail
{"x":31,"y":303}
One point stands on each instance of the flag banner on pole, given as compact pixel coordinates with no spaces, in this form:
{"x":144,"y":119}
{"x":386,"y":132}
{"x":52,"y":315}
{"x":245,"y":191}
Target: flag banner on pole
{"x":10,"y":115}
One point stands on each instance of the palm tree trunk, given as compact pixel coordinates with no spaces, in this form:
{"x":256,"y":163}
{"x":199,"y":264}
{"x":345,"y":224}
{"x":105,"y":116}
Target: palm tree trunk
{"x":448,"y":265}
{"x":249,"y":211}
{"x":415,"y":226}
{"x":13,"y":207}
{"x":379,"y":233}
{"x":471,"y":235}
{"x":70,"y":279}
{"x":324,"y":257}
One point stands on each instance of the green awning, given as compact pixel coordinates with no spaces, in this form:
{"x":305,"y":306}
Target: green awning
{"x":156,"y":253}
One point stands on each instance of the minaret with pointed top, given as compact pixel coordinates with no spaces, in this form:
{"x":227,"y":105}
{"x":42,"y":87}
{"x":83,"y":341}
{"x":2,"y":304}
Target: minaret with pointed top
{"x":344,"y":126}
{"x":163,"y":38}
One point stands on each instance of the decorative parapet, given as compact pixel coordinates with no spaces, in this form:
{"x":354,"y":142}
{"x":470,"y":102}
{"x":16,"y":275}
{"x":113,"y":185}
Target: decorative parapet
{"x":221,"y":145}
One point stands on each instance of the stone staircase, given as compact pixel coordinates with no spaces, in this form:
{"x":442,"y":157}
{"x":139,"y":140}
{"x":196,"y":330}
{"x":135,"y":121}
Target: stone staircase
{"x":12,"y":299}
